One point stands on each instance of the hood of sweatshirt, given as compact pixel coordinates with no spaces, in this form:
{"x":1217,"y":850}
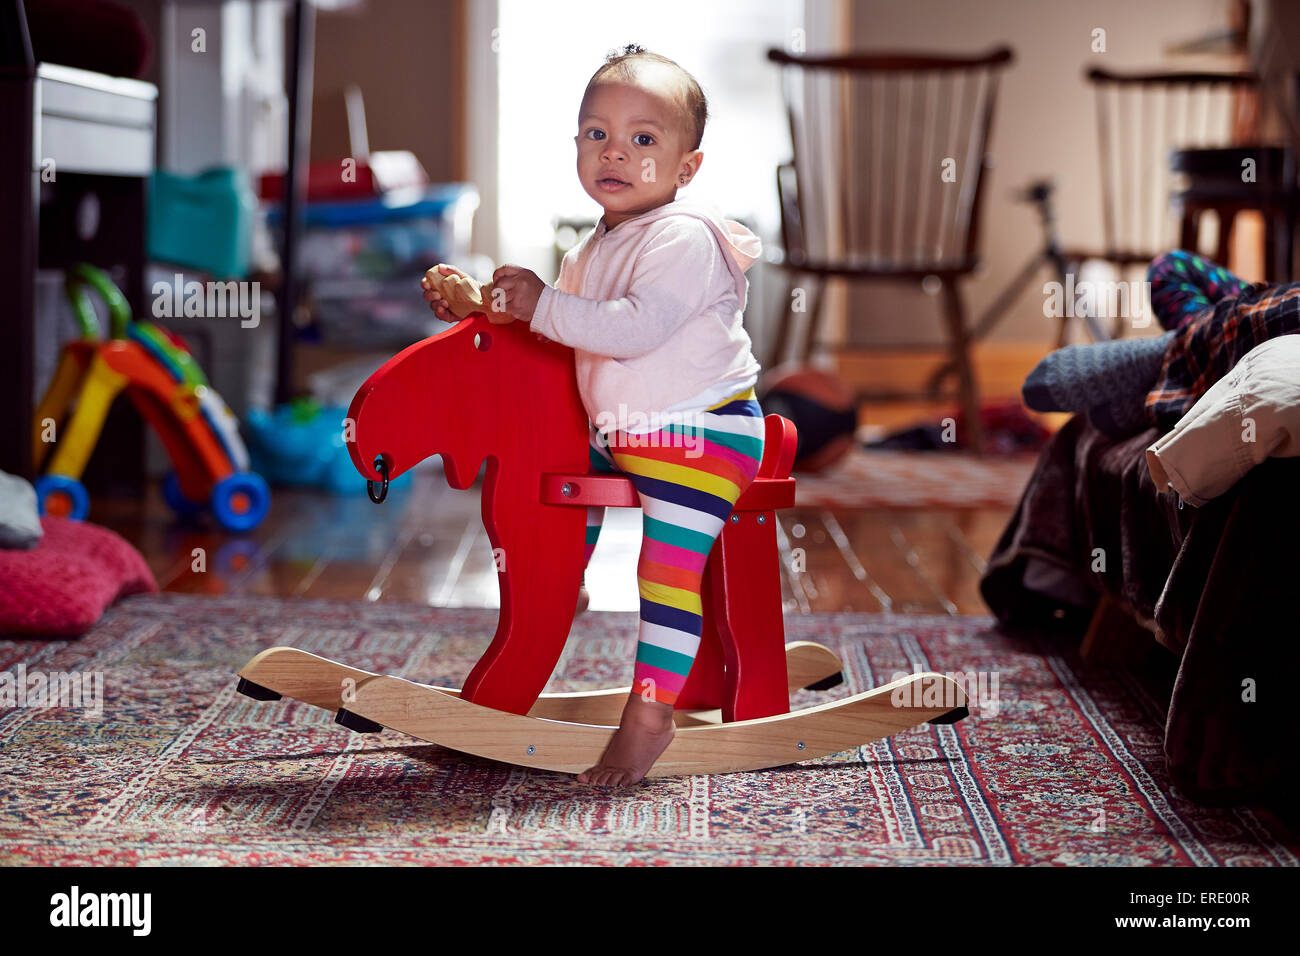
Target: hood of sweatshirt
{"x":743,"y":246}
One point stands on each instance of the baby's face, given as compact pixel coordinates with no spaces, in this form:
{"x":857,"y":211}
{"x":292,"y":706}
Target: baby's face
{"x":632,"y":147}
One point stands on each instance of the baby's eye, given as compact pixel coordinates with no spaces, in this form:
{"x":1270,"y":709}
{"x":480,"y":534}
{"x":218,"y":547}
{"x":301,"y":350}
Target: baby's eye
{"x":595,"y":134}
{"x":650,"y":140}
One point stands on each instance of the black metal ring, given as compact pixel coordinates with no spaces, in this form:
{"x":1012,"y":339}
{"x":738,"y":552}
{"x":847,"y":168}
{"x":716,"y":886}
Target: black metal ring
{"x":381,"y":466}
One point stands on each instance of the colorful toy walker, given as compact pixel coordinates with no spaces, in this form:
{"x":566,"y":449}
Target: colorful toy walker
{"x":168,"y":388}
{"x":501,"y":392}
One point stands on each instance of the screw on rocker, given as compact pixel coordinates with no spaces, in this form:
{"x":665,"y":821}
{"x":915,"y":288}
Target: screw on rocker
{"x":517,"y":407}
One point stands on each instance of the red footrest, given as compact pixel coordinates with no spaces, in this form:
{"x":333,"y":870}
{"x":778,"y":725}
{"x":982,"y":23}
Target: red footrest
{"x":616,"y":491}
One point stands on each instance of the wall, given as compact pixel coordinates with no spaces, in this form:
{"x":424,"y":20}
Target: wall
{"x":408,"y":57}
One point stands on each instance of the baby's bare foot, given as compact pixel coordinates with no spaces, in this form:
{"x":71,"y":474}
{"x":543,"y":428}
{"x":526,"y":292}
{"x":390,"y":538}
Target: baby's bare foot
{"x":583,"y":600}
{"x":644,"y":733}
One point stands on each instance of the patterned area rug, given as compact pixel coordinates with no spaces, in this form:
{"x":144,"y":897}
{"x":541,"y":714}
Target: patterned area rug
{"x":867,"y":478}
{"x":1066,"y":768}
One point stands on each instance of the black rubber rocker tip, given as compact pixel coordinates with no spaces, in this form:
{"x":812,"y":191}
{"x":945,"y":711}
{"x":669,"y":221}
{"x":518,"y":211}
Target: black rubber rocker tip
{"x":954,"y":715}
{"x":256,"y":691}
{"x":826,"y":683}
{"x":362,"y":725}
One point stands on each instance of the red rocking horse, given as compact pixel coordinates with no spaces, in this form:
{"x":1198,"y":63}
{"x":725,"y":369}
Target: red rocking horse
{"x":501,"y":392}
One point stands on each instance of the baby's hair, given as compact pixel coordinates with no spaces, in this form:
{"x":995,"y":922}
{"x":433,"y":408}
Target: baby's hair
{"x":622,"y":64}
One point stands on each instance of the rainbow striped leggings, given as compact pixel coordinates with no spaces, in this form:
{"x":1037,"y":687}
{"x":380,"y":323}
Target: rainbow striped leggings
{"x":688,"y":477}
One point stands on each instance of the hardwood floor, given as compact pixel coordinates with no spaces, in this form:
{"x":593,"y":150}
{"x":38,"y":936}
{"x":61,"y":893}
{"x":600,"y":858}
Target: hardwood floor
{"x":426,"y":544}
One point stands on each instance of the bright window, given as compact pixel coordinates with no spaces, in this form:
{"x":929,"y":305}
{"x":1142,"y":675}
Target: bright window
{"x":548,"y":52}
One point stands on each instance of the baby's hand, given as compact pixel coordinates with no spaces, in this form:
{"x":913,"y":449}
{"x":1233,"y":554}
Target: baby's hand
{"x":520,"y":288}
{"x":432,"y":296}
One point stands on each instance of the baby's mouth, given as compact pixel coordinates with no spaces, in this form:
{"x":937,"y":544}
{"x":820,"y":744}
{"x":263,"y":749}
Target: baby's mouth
{"x":611,"y":184}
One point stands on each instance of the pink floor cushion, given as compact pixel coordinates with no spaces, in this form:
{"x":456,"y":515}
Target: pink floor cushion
{"x":64,"y":584}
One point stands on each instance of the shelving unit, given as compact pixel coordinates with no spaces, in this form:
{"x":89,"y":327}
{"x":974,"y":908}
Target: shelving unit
{"x":76,"y":159}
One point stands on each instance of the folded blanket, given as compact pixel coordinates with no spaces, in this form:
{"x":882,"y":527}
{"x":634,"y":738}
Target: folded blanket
{"x":1250,"y":414}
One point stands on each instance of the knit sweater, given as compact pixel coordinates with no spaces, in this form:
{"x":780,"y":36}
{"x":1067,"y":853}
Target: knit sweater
{"x":653,"y":311}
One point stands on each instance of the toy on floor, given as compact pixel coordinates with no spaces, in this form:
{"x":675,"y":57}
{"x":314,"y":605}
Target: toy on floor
{"x":301,"y":444}
{"x":505,"y":394}
{"x":168,"y":388}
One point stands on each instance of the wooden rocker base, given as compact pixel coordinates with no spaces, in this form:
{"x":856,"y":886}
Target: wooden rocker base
{"x":704,"y":746}
{"x":290,"y":672}
{"x":564,"y":747}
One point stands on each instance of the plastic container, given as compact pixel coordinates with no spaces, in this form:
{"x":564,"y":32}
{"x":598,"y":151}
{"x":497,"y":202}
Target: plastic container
{"x":203,"y":222}
{"x":302,"y":444}
{"x":362,"y":259}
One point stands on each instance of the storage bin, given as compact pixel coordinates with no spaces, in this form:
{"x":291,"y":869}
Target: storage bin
{"x":362,"y":260}
{"x":202,"y":222}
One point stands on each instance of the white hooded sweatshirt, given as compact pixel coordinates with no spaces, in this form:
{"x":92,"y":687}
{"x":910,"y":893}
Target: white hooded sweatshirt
{"x":653,"y":311}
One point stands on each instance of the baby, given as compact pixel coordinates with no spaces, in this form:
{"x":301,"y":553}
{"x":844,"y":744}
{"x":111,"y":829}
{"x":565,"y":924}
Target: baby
{"x":651,"y":302}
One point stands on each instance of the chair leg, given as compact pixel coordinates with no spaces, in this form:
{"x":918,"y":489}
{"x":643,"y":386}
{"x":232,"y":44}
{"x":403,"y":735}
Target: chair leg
{"x":1271,"y":254}
{"x":959,"y":346}
{"x":783,"y":323}
{"x":814,"y":319}
{"x":1279,"y":244}
{"x":1286,"y":243}
{"x":1227,"y":220}
{"x":1189,"y":229}
{"x":1114,"y":637}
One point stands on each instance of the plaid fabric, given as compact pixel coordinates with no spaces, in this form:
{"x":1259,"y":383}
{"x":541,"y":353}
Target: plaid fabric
{"x":1209,"y":344}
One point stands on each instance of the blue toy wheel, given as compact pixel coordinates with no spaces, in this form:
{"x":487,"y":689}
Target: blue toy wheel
{"x":240,"y":501}
{"x":62,"y":496}
{"x":175,"y":497}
